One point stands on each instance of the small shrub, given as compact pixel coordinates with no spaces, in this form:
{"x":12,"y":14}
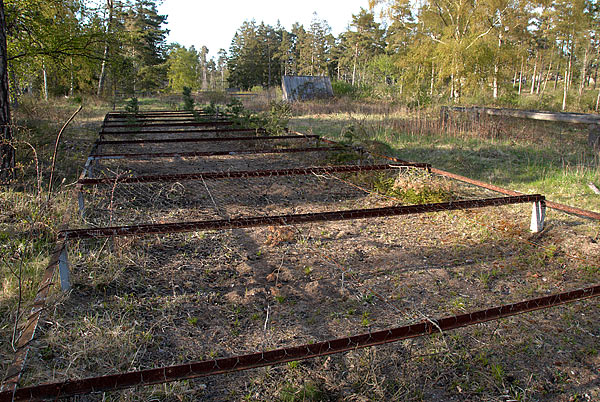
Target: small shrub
{"x":414,"y":187}
{"x":133,"y":106}
{"x":308,"y":392}
{"x":188,"y":101}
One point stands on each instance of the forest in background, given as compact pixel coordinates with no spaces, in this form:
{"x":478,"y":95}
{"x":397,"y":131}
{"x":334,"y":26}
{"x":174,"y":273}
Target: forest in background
{"x":506,"y":52}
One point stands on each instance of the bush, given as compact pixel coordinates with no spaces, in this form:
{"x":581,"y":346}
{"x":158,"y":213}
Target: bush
{"x":132,"y":106}
{"x":188,"y":101}
{"x":342,"y":88}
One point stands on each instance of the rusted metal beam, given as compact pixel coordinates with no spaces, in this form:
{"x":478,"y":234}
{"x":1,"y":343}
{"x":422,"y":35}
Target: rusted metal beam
{"x":550,"y":204}
{"x":145,"y":120}
{"x":209,"y":123}
{"x":15,"y":370}
{"x":278,"y":356}
{"x":207,"y":139}
{"x":153,"y":112}
{"x":214,"y":153}
{"x":185,"y":131}
{"x":282,"y":220}
{"x":246,"y":173}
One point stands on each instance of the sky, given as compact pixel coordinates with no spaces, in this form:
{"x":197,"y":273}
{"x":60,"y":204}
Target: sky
{"x":212,"y":23}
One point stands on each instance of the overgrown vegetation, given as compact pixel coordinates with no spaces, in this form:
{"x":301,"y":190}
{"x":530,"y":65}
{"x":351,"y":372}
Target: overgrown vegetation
{"x":138,"y":303}
{"x":275,"y":120}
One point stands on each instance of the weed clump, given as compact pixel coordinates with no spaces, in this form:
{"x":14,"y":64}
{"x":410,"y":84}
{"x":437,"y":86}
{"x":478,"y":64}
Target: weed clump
{"x":414,"y":187}
{"x":274,"y":121}
{"x":188,"y":100}
{"x":132,"y":106}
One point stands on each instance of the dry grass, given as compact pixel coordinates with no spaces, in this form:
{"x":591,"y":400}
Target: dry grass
{"x":146,"y":302}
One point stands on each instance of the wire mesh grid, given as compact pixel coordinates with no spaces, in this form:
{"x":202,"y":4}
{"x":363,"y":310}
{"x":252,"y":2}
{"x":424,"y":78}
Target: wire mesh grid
{"x":207,"y":199}
{"x":195,"y":164}
{"x":175,"y":298}
{"x":157,"y":133}
{"x":208,"y":144}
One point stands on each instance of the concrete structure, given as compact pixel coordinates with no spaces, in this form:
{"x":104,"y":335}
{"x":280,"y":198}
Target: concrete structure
{"x":296,"y":87}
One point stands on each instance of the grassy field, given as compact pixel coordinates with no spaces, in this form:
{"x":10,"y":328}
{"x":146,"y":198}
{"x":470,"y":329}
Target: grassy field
{"x":532,"y":157}
{"x":140,"y":303}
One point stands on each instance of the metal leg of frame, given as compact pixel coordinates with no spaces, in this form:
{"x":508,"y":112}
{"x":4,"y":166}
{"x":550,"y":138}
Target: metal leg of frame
{"x":81,"y":203}
{"x":63,"y":270}
{"x":538,"y":215}
{"x":90,"y":167}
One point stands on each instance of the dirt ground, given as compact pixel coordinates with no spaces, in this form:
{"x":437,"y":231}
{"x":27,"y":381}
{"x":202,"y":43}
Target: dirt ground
{"x":159,"y":300}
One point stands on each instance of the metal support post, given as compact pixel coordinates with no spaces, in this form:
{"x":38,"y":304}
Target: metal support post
{"x":90,"y":167}
{"x":81,"y":203}
{"x":63,"y":270}
{"x":538,"y":215}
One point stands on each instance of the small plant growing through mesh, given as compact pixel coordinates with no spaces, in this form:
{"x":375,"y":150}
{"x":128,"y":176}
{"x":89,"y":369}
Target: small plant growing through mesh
{"x":133,"y":108}
{"x":414,"y":186}
{"x":188,"y":101}
{"x":278,"y":117}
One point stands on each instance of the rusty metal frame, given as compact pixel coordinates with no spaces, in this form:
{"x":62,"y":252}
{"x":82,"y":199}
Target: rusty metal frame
{"x":206,"y":368}
{"x":246,"y":173}
{"x":27,"y":335}
{"x":550,"y":204}
{"x":238,"y":363}
{"x":201,"y":123}
{"x":206,"y":139}
{"x":292,"y":219}
{"x":147,"y":155}
{"x":154,"y":113}
{"x":184,"y":131}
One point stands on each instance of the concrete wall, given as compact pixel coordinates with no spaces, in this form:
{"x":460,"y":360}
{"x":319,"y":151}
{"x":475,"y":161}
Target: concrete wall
{"x":297,"y":87}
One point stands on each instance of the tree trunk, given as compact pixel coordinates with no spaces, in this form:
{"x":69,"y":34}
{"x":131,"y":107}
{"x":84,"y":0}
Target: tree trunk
{"x":72,"y":86}
{"x":101,"y":79}
{"x":570,"y":66}
{"x":7,"y":152}
{"x":45,"y":81}
{"x":547,"y":77}
{"x":269,"y":54}
{"x":598,"y":100}
{"x":521,"y":77}
{"x":432,"y":79}
{"x":533,"y":76}
{"x":354,"y":68}
{"x":495,"y":83}
{"x":15,"y":91}
{"x":565,"y":90}
{"x":584,"y":70}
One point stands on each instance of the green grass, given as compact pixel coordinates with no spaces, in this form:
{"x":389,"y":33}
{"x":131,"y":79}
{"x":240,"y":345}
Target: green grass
{"x":532,"y":157}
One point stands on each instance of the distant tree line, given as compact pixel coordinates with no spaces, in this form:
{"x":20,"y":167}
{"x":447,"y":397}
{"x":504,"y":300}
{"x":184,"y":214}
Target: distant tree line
{"x":417,"y":51}
{"x":60,"y":47}
{"x":435,"y":49}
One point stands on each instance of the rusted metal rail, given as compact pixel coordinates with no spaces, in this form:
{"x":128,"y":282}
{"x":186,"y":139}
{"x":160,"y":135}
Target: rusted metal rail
{"x":143,"y":120}
{"x":550,"y":204}
{"x":214,"y":153}
{"x":206,"y":139}
{"x":249,"y":361}
{"x":247,"y":173}
{"x":14,"y":372}
{"x":293,"y":219}
{"x":154,"y":113}
{"x":200,"y":123}
{"x":184,"y":131}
